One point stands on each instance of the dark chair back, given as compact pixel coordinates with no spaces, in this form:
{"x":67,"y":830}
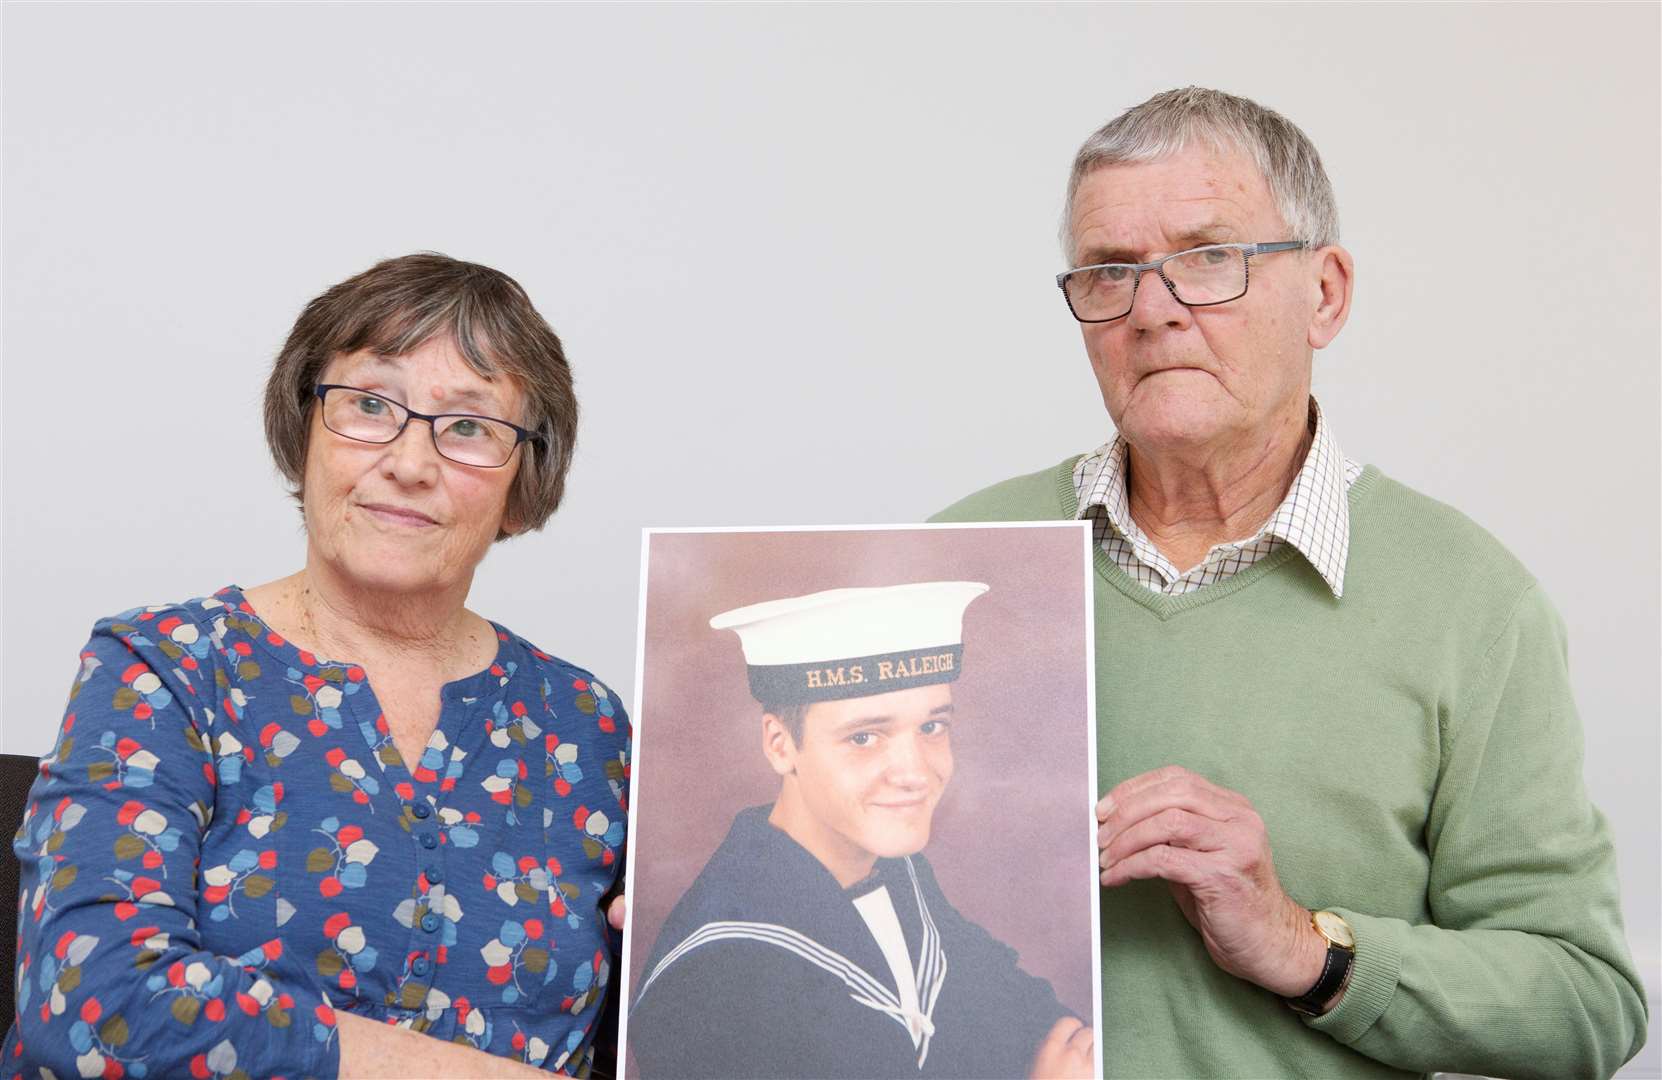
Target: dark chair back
{"x":17,"y":773}
{"x":605,"y":1038}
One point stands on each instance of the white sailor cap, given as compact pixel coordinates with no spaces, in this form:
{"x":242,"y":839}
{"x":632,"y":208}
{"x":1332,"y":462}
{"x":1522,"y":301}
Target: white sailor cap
{"x":848,"y":643}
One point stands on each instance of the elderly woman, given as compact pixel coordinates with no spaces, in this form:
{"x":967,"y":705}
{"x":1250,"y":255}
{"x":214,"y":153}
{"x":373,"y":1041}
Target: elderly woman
{"x":338,"y":823}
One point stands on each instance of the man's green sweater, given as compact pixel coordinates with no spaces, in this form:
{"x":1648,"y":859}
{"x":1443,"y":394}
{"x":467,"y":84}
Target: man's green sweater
{"x":1415,"y":754}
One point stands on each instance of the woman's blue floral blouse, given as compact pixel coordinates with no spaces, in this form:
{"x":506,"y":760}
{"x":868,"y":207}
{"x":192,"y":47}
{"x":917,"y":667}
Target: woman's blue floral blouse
{"x":225,"y":848}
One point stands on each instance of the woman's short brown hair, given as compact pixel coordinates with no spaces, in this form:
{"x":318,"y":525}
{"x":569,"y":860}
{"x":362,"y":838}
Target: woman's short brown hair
{"x":398,"y":305}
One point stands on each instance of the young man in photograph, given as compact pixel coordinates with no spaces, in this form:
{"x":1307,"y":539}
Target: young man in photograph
{"x":816,"y":941}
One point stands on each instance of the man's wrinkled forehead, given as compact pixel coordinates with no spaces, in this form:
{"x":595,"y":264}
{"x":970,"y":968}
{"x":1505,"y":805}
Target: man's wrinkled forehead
{"x":1127,"y":212}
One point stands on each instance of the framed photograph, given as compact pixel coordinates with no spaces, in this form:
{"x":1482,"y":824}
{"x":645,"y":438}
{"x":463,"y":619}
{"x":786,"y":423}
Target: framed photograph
{"x":861,"y":830}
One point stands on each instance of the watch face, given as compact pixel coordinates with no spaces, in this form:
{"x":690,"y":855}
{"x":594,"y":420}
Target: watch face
{"x":1335,"y":929}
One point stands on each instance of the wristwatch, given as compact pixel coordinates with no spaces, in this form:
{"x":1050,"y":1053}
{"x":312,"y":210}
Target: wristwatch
{"x":1341,"y":949}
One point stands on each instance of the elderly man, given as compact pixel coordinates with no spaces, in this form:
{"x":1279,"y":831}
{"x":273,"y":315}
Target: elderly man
{"x":1298,"y":655}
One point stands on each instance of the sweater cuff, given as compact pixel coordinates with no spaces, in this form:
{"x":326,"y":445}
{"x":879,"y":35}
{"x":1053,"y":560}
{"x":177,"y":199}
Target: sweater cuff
{"x":1373,"y":977}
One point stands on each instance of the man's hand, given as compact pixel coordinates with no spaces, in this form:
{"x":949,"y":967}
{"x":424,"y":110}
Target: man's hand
{"x":1211,"y":847}
{"x":617,"y":911}
{"x":1065,"y":1053}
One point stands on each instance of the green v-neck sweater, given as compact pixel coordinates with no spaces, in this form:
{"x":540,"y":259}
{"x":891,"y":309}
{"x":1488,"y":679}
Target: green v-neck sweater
{"x":1415,"y":754}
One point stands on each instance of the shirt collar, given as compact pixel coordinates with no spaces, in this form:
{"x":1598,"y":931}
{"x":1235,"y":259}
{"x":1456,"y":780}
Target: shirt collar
{"x":1314,"y":517}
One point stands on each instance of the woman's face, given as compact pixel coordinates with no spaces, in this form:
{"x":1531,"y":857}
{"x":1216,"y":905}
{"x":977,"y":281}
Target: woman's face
{"x":398,"y":517}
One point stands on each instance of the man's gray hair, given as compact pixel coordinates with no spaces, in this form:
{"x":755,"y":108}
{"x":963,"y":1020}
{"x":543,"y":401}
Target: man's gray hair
{"x":1171,"y":122}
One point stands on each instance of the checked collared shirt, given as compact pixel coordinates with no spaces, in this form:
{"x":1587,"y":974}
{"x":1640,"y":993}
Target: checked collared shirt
{"x":1314,"y":518}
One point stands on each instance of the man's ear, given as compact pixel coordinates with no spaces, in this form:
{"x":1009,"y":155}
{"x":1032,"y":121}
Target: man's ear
{"x":1334,"y":286}
{"x":778,"y":745}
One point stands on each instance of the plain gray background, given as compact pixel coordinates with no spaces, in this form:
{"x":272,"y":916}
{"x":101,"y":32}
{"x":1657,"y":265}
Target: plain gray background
{"x":801,"y":258}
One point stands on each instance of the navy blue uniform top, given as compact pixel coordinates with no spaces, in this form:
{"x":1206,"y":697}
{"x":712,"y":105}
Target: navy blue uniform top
{"x":765,"y":968}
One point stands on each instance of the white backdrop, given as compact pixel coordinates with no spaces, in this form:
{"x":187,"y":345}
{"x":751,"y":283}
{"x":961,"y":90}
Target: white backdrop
{"x":801,"y":258}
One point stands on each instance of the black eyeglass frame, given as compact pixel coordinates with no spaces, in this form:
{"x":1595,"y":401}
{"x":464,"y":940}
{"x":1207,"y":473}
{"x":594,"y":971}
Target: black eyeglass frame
{"x":1159,"y":267}
{"x":522,"y":435}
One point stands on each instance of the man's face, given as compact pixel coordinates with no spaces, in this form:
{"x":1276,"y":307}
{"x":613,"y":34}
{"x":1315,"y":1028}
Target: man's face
{"x":1176,"y":378}
{"x":868,"y":774}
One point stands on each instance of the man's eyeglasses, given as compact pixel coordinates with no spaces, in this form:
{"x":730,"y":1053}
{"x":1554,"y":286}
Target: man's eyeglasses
{"x":481,"y":441}
{"x":1199,"y":277}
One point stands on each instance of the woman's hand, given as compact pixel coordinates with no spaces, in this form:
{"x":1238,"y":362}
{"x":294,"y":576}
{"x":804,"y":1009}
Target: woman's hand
{"x":370,"y":1050}
{"x":1065,"y":1053}
{"x":618,"y":911}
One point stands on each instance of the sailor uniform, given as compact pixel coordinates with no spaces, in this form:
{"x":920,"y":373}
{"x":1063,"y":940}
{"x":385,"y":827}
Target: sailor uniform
{"x":769,"y":968}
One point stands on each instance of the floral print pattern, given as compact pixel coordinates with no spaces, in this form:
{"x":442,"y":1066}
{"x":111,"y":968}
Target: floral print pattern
{"x":225,"y":848}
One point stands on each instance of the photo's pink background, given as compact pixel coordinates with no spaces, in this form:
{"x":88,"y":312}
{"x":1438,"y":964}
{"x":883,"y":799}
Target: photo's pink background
{"x":1012,"y":843}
